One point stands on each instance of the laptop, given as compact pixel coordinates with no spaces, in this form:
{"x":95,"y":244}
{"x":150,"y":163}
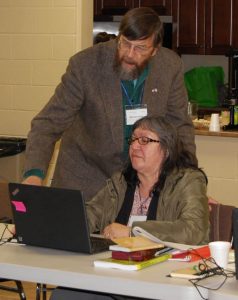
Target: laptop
{"x":235,"y":237}
{"x":53,"y":218}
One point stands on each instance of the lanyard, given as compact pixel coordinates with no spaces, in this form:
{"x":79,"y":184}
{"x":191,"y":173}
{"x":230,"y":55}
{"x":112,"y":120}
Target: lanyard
{"x":129,"y":100}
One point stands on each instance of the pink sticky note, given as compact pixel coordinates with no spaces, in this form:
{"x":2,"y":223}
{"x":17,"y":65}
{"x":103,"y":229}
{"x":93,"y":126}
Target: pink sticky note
{"x":19,"y":205}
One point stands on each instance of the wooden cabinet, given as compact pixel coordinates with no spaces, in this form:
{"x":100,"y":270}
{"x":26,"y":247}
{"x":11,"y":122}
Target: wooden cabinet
{"x":189,"y":26}
{"x":205,"y":26}
{"x":234,"y":38}
{"x":163,"y":7}
{"x":120,"y":7}
{"x":111,"y":7}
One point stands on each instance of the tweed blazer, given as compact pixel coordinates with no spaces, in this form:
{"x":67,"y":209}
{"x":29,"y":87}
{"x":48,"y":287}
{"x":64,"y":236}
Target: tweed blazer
{"x":86,"y":113}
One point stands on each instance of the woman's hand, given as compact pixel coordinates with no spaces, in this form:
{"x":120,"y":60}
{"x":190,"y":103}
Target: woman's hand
{"x":116,"y":230}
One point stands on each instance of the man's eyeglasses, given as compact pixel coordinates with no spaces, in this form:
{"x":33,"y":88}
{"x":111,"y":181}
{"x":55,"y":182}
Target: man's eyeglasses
{"x":125,"y":45}
{"x":142,"y":140}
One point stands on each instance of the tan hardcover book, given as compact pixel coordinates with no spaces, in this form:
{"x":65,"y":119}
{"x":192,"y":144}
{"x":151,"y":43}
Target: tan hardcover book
{"x":130,"y":244}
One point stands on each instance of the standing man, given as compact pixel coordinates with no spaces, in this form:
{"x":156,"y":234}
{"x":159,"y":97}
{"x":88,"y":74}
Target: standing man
{"x":104,"y":90}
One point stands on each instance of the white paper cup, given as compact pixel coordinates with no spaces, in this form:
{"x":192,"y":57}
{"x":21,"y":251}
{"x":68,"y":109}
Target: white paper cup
{"x":220,"y":252}
{"x":214,"y":123}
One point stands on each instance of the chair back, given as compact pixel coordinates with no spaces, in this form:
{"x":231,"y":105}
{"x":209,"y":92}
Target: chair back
{"x":221,"y":222}
{"x":5,"y":206}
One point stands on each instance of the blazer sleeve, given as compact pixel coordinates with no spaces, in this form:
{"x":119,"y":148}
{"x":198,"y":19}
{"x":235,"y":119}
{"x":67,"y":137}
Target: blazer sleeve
{"x":58,"y":114}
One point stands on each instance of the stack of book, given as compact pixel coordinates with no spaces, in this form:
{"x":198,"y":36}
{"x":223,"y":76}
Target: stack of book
{"x":134,"y":253}
{"x":145,"y":249}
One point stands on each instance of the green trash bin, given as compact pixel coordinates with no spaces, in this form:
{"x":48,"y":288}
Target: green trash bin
{"x":202,"y":85}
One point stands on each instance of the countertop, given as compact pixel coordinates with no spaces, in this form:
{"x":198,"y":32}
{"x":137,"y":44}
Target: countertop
{"x":222,"y":133}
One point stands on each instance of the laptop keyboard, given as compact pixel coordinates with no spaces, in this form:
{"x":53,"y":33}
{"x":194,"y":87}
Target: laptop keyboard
{"x":100,"y":244}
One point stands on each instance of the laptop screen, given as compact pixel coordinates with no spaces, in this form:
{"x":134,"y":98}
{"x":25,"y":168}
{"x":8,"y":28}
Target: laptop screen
{"x":50,"y":217}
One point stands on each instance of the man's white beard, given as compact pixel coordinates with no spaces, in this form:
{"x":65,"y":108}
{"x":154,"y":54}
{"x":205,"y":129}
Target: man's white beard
{"x":128,"y":74}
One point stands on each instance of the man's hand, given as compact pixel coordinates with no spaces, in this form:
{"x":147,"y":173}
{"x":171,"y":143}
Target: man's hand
{"x":33,"y":180}
{"x":116,"y":230}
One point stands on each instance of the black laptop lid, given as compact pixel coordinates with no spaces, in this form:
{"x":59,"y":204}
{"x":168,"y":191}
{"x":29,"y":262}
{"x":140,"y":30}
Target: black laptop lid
{"x":50,"y":217}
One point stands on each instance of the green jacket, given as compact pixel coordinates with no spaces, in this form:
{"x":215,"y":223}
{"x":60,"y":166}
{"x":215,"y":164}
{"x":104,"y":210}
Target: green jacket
{"x":182,"y":212}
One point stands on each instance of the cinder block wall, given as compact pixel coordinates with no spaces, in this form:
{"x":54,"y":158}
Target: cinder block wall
{"x":37,"y":37}
{"x":218,"y":156}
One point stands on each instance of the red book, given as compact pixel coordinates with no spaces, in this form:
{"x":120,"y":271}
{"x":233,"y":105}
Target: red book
{"x":140,"y":255}
{"x":193,"y":254}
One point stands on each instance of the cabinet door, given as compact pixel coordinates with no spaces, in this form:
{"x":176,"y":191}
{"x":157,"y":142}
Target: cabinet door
{"x":112,"y":7}
{"x":218,"y":26}
{"x":119,"y":7}
{"x":189,"y":26}
{"x":205,"y":26}
{"x":163,"y":7}
{"x":235,"y":24}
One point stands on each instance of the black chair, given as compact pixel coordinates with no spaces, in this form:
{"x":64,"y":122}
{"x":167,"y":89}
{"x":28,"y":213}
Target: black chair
{"x":42,"y":289}
{"x":18,"y":289}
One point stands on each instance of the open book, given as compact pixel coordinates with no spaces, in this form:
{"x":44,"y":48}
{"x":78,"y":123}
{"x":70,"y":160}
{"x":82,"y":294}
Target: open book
{"x":138,"y":231}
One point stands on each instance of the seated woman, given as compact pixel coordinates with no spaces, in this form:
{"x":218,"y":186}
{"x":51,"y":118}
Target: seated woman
{"x":160,"y":185}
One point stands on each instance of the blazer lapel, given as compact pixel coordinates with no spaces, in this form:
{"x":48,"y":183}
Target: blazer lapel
{"x":152,"y":90}
{"x":112,"y":99}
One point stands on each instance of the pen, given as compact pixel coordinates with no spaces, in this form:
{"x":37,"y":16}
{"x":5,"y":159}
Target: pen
{"x":164,"y":250}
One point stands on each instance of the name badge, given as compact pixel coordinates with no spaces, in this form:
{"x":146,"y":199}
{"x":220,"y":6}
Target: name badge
{"x":134,"y":113}
{"x":134,"y":218}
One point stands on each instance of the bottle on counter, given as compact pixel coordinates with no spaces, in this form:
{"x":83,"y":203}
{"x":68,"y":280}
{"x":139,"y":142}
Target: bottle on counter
{"x":225,"y":117}
{"x":236,"y":115}
{"x":192,"y":109}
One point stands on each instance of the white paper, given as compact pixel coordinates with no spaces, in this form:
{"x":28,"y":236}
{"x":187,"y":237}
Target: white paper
{"x":140,"y":231}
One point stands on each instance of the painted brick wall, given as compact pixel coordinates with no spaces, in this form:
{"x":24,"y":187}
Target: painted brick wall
{"x":218,"y":156}
{"x":37,"y":37}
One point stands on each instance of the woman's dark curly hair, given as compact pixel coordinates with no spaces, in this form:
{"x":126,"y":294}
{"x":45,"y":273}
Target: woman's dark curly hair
{"x":176,"y":157}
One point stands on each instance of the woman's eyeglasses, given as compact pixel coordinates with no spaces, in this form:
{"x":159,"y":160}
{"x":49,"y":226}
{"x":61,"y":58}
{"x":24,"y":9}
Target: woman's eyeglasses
{"x":142,"y":140}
